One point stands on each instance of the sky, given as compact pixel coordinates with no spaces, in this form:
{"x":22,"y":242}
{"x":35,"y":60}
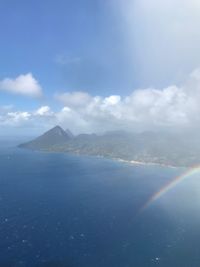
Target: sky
{"x":99,"y":65}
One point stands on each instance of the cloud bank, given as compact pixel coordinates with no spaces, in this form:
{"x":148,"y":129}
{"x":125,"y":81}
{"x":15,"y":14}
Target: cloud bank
{"x":25,"y":85}
{"x":171,"y":108}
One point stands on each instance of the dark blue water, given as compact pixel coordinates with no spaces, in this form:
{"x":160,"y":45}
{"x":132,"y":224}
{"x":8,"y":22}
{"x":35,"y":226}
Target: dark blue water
{"x":63,"y":210}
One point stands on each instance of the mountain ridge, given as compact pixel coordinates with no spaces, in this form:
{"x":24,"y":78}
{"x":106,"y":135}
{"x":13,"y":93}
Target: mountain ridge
{"x":54,"y":136}
{"x":145,"y":147}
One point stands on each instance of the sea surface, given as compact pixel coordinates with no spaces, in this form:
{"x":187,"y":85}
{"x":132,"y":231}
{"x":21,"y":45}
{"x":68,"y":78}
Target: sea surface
{"x":78,"y":211}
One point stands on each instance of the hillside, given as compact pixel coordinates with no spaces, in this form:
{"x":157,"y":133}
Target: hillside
{"x":146,"y":147}
{"x":55,"y":136}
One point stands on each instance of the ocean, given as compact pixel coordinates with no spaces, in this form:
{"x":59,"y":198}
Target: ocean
{"x":79,"y":211}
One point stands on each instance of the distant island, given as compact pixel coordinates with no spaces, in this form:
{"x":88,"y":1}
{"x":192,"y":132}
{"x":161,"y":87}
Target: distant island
{"x":142,"y":148}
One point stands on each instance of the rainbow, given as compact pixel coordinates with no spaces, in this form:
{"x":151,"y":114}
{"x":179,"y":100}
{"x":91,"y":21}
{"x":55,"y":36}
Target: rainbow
{"x":177,"y":180}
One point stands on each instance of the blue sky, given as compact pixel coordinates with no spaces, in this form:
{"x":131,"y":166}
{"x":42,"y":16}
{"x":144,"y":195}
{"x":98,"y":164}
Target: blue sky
{"x":36,"y":34}
{"x":96,"y":56}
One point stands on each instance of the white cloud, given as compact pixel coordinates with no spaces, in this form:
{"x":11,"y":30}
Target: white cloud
{"x":171,"y":108}
{"x":42,"y":117}
{"x":43,"y":111}
{"x":144,"y":109}
{"x":16,"y":118}
{"x":24,"y":85}
{"x":112,"y":100}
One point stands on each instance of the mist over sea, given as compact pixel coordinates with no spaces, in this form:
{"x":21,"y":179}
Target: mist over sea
{"x":75,"y":211}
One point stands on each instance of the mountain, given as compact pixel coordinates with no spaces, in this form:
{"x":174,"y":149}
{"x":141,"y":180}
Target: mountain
{"x":145,"y":147}
{"x":70,"y":134}
{"x":53,"y":137}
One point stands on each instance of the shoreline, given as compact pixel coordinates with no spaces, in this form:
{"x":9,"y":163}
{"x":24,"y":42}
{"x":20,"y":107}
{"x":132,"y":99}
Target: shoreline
{"x":135,"y":162}
{"x":132,"y":162}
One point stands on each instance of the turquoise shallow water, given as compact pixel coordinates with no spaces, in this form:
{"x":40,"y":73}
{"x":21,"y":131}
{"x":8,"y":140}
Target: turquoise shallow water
{"x":65,"y":210}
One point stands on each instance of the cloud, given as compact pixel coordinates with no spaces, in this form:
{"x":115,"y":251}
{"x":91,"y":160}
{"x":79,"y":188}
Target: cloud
{"x":43,"y":111}
{"x":17,"y":118}
{"x":162,"y":38}
{"x":174,"y":108}
{"x":25,"y":85}
{"x":11,"y":117}
{"x":74,"y":99}
{"x":112,"y":100}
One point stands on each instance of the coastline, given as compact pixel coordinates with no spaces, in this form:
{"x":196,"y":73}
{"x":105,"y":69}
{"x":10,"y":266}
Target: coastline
{"x":134,"y":162}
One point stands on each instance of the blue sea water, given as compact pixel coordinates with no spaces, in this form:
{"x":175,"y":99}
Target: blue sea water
{"x":75,"y":211}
